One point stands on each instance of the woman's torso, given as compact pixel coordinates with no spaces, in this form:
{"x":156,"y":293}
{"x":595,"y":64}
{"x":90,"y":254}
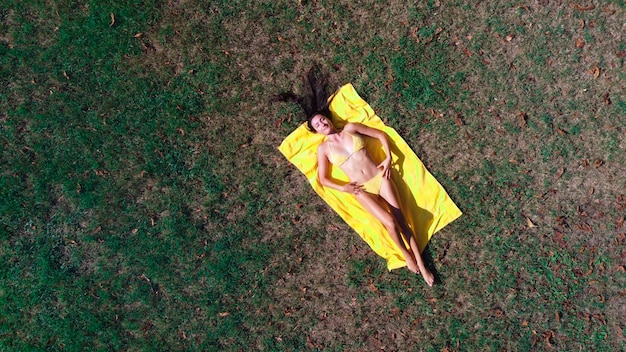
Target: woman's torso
{"x":349,"y":154}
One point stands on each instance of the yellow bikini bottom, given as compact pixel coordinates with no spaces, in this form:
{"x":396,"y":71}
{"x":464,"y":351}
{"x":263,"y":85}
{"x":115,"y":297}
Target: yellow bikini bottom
{"x":373,"y":184}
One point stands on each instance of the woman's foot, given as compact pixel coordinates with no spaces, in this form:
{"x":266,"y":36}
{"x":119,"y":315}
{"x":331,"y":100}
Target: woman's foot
{"x":412,"y":266}
{"x":428,"y":276}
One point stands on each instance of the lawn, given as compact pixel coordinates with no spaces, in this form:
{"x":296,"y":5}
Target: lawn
{"x":144,"y":205}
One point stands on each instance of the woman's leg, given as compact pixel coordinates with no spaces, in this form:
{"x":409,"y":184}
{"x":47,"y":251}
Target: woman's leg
{"x":389,"y":193}
{"x":374,"y":206}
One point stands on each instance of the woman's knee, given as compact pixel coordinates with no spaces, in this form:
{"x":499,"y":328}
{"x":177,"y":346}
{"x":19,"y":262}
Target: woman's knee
{"x":388,"y":222}
{"x":377,"y":209}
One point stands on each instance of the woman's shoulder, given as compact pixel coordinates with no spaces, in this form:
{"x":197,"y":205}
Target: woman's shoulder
{"x":322,"y":146}
{"x":355,"y":127}
{"x":351,"y":127}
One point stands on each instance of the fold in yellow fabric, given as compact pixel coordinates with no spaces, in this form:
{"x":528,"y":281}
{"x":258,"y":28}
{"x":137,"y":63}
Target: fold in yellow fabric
{"x":425,"y":203}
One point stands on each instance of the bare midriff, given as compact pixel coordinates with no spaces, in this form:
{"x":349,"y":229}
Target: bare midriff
{"x":359,"y":167}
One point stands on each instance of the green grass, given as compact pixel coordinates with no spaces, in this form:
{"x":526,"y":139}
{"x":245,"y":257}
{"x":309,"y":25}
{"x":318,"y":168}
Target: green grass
{"x":144,"y":205}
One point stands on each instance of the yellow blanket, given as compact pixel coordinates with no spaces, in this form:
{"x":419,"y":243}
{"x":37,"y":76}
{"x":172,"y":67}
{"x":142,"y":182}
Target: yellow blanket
{"x":425,"y":203}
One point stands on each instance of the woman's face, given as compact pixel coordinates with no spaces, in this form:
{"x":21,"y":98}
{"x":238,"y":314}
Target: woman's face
{"x":321,"y":124}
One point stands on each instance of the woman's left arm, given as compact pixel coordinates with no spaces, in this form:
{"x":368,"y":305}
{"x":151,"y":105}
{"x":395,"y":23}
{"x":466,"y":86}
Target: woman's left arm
{"x":378,"y":134}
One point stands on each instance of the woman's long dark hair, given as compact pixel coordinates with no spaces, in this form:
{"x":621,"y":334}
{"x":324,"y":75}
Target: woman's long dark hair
{"x":315,"y":100}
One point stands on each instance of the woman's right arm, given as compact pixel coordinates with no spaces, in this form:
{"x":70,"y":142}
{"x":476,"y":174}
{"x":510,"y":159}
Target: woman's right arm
{"x":322,"y":174}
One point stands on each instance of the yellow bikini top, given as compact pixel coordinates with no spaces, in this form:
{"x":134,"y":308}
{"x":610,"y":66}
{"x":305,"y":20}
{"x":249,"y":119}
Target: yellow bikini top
{"x":358,"y":143}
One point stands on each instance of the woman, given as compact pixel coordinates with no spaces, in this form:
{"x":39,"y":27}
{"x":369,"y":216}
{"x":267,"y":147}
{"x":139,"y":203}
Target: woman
{"x":370,"y":183}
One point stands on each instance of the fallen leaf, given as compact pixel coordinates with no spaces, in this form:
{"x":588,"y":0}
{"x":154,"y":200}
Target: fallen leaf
{"x":620,"y":222}
{"x":557,"y":315}
{"x":134,"y":231}
{"x":561,"y":132}
{"x":606,"y":98}
{"x":112,"y":20}
{"x":558,"y":238}
{"x":530,"y":223}
{"x":549,"y":336}
{"x":181,"y":131}
{"x":458,"y":120}
{"x":595,"y":71}
{"x":560,"y":220}
{"x":600,"y":318}
{"x":414,"y":34}
{"x":309,"y":342}
{"x":509,"y":37}
{"x":522,"y":117}
{"x":138,"y":35}
{"x":224,"y":314}
{"x":581,"y":7}
{"x":559,"y":173}
{"x":598,"y":163}
{"x":144,"y":277}
{"x":495,"y":115}
{"x":580,"y":43}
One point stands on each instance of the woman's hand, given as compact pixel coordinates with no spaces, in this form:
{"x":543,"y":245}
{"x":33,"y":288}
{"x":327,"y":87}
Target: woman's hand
{"x":385,"y":166}
{"x":352,"y":187}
